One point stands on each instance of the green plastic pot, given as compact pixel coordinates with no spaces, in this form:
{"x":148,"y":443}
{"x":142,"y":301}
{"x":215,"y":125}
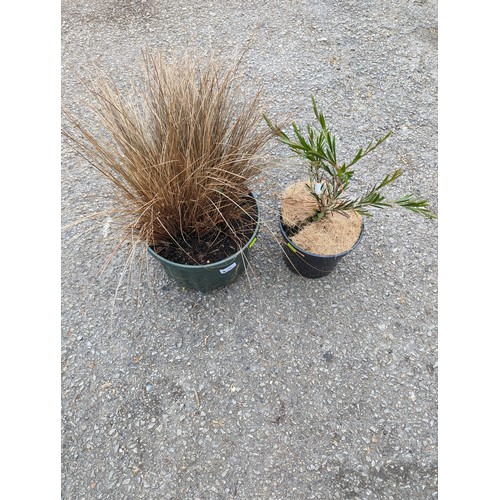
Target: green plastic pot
{"x":210,"y":276}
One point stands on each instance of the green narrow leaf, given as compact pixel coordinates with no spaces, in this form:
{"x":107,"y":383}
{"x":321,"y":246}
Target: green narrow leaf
{"x":419,"y":206}
{"x":389,"y":178}
{"x":315,"y":108}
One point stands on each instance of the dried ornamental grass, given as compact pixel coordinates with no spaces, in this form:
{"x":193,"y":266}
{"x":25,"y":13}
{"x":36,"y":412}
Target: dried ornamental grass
{"x":179,"y":150}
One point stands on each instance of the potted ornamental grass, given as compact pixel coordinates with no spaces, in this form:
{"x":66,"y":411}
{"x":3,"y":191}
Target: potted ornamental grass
{"x":320,"y":220}
{"x":180,"y":149}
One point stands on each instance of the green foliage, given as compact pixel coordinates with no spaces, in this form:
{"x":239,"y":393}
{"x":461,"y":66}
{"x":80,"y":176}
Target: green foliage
{"x":329,"y":178}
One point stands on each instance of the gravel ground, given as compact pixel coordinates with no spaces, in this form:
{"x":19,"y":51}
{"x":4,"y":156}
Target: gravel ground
{"x":275,"y":387}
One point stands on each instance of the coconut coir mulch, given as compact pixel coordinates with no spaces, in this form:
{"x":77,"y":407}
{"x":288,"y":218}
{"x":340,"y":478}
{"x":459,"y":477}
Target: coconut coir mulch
{"x":334,"y":233}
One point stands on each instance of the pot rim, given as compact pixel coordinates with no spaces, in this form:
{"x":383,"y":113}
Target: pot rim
{"x":335,"y":255}
{"x":219,"y":263}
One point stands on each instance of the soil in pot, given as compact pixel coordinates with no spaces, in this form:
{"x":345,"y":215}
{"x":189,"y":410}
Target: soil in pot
{"x":217,"y":245}
{"x":333,"y":234}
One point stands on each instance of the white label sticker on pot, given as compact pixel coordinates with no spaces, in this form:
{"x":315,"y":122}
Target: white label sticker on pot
{"x":228,"y":268}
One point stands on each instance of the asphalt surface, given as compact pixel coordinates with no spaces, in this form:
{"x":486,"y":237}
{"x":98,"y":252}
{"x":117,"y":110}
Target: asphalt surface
{"x":275,"y":387}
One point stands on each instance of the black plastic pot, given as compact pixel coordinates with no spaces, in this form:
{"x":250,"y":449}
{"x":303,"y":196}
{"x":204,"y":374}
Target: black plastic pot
{"x":210,"y":276}
{"x":311,"y":265}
